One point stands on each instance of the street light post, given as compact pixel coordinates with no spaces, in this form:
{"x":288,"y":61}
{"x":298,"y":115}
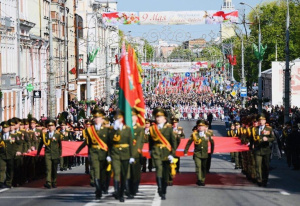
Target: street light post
{"x":260,"y":61}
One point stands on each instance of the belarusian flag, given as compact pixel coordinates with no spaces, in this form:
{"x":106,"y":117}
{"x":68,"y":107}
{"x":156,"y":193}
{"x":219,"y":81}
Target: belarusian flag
{"x":136,"y":69}
{"x":127,"y":92}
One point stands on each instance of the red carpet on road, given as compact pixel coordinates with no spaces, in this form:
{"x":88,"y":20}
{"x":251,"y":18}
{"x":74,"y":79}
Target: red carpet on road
{"x":181,"y":179}
{"x":222,"y":145}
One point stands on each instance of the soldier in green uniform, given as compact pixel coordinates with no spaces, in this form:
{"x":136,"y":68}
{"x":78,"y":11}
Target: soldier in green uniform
{"x":37,"y":163}
{"x":53,"y":152}
{"x":146,"y":140}
{"x":200,"y":139}
{"x":212,"y":145}
{"x":18,"y":147}
{"x":231,"y":133}
{"x":87,"y":124}
{"x":7,"y":153}
{"x":121,"y":153}
{"x":262,"y":138}
{"x":97,"y":140}
{"x":237,"y":155}
{"x":162,"y":146}
{"x":179,"y":134}
{"x":134,"y":174}
{"x":66,"y":136}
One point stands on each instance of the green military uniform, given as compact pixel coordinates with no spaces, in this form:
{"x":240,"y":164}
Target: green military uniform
{"x":232,"y":133}
{"x":212,"y":147}
{"x":7,"y":153}
{"x":134,"y":174}
{"x":121,"y":151}
{"x":237,"y":155}
{"x":179,"y":134}
{"x":98,"y":151}
{"x":146,"y":140}
{"x":262,"y":151}
{"x":53,"y":152}
{"x":200,"y":140}
{"x":36,"y":163}
{"x":18,"y":160}
{"x":162,"y":151}
{"x":65,"y":136}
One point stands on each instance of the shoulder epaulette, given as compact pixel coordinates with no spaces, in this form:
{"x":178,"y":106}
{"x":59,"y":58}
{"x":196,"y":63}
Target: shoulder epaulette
{"x":168,"y":125}
{"x":180,"y":128}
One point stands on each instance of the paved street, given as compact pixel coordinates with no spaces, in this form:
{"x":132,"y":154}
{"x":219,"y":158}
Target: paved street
{"x":225,"y":186}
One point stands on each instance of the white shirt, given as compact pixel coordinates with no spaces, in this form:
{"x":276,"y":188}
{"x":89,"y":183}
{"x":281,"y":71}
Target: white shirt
{"x":160,"y":126}
{"x":201,"y":134}
{"x":261,"y":128}
{"x":5,"y":136}
{"x":98,"y":127}
{"x":51,"y":134}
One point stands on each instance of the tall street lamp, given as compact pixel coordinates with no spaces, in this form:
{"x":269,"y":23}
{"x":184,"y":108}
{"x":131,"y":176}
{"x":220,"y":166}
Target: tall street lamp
{"x":259,"y":64}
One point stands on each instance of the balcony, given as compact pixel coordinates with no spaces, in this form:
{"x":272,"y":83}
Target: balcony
{"x":94,"y":74}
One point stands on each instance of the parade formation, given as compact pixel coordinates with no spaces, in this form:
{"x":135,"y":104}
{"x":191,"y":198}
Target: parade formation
{"x":105,"y":117}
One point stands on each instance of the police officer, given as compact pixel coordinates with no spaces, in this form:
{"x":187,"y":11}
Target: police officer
{"x":121,"y":153}
{"x":53,"y":152}
{"x":200,"y":139}
{"x":97,"y":140}
{"x":162,"y":146}
{"x":262,"y":138}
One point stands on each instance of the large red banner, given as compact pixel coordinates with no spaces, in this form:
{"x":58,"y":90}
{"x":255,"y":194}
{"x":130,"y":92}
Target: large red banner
{"x":222,"y":145}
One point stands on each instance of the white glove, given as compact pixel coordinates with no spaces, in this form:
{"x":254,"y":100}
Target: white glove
{"x":170,"y":157}
{"x":131,"y":160}
{"x":108,"y":158}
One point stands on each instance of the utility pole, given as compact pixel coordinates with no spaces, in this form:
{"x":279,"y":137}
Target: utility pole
{"x":243,"y":70}
{"x":287,"y":74}
{"x":66,"y":58}
{"x":52,"y":87}
{"x":88,"y":78}
{"x":231,"y":78}
{"x":108,"y":102}
{"x":19,"y":98}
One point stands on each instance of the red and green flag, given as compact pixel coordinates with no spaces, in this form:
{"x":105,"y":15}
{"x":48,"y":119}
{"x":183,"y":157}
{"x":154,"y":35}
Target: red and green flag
{"x":127,"y":92}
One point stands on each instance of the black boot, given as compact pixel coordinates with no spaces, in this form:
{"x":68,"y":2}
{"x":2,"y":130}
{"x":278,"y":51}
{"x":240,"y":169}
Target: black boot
{"x":122,"y":188}
{"x":159,"y":185}
{"x":117,"y":189}
{"x":98,"y":189}
{"x":164,"y":190}
{"x":128,"y":186}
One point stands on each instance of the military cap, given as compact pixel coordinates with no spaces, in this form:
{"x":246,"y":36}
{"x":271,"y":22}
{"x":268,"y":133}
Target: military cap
{"x":33,"y":120}
{"x":26,"y":121}
{"x":106,"y":120}
{"x":262,"y":116}
{"x":63,"y":123}
{"x":118,"y":114}
{"x":88,"y":122}
{"x":174,"y":120}
{"x":76,"y":128}
{"x":201,"y":123}
{"x":159,"y":112}
{"x":51,"y":123}
{"x":237,"y":123}
{"x":98,"y":112}
{"x":5,"y":124}
{"x":231,"y":124}
{"x":134,"y":111}
{"x":17,"y":120}
{"x":195,"y":128}
{"x":11,"y":122}
{"x":147,"y":121}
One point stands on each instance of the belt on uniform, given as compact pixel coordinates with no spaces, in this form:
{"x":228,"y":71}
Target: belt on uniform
{"x":160,"y":145}
{"x":121,"y":145}
{"x":96,"y":146}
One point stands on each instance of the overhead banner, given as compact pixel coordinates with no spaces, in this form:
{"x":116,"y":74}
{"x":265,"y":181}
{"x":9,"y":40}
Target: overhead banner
{"x":170,"y":18}
{"x":175,"y":67}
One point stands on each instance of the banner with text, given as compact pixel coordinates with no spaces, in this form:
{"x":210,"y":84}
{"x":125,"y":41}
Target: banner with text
{"x":170,"y":18}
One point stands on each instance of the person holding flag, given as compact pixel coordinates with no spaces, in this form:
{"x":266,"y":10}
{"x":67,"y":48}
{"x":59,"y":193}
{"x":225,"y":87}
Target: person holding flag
{"x":162,"y":146}
{"x":97,"y":139}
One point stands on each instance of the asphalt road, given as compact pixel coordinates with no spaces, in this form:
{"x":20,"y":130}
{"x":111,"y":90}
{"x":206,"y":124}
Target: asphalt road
{"x":231,"y":188}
